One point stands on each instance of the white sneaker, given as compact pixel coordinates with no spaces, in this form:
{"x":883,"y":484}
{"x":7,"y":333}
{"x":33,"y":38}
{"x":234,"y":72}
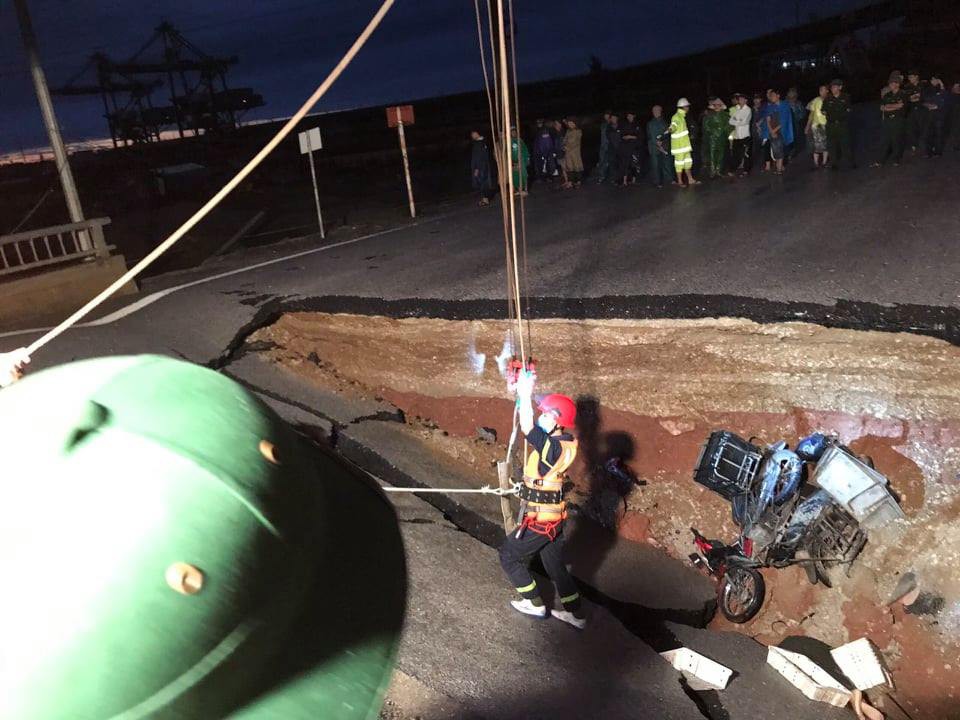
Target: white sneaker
{"x":569,"y":618}
{"x":528,"y":608}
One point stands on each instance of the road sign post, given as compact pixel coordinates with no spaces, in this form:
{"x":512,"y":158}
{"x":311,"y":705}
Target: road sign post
{"x":397,"y":117}
{"x":309,"y":141}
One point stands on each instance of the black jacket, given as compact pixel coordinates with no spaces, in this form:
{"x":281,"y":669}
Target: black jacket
{"x":480,"y":161}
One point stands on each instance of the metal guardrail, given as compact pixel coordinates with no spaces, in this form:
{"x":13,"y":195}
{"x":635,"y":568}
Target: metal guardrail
{"x":60,"y":244}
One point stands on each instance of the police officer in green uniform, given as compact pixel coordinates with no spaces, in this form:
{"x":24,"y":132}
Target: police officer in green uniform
{"x":893,"y":112}
{"x":173,"y":549}
{"x":837,"y":109}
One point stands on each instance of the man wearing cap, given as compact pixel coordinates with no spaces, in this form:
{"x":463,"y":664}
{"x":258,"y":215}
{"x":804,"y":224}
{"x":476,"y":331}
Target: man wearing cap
{"x":915,"y":110}
{"x":680,"y":146}
{"x":893,"y":114}
{"x":740,"y":116}
{"x":836,"y":108}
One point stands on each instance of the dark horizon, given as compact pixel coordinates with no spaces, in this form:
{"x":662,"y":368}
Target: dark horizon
{"x":428,"y":46}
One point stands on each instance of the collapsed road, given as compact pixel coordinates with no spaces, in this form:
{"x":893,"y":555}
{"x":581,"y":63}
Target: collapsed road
{"x":652,"y":392}
{"x":891,"y":391}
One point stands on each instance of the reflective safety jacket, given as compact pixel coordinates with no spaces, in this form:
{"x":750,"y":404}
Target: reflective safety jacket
{"x":543,"y":493}
{"x":679,"y":135}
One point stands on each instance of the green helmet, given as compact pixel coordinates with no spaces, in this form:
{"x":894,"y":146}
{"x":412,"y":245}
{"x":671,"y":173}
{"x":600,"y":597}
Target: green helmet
{"x":173,"y":549}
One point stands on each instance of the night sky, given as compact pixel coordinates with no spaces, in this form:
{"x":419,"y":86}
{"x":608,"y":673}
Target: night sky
{"x":424,"y":47}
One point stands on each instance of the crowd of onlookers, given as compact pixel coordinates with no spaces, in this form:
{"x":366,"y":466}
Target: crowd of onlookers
{"x":765,"y":132}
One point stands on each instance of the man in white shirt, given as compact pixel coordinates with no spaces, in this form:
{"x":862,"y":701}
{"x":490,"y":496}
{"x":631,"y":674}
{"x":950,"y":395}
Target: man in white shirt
{"x":740,"y":120}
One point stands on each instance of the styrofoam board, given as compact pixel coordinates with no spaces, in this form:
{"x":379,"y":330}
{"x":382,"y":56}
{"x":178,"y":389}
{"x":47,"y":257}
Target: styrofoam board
{"x":862,"y":663}
{"x":710,"y":672}
{"x":808,"y":677}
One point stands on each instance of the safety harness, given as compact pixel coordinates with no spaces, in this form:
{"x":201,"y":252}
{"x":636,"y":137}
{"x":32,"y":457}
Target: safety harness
{"x":543,"y":494}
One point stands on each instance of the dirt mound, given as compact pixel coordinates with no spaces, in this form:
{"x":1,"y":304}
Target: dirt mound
{"x":650,"y":392}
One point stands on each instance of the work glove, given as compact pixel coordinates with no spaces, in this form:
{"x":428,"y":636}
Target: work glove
{"x":11,"y":366}
{"x":525,"y":383}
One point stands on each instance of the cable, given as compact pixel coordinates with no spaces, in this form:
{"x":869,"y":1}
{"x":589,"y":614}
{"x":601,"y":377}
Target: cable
{"x":501,"y":155}
{"x":523,"y":209}
{"x":225,"y":190}
{"x":505,"y":96}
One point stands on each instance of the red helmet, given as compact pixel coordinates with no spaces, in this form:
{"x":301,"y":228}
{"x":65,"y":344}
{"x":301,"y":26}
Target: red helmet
{"x":561,"y":406}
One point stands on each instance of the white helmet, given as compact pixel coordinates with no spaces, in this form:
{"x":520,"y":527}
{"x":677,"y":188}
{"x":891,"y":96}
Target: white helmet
{"x":683,"y":102}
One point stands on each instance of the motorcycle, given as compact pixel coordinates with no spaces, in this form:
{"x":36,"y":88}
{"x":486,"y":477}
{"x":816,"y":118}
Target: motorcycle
{"x":783,"y":519}
{"x":741,"y":587}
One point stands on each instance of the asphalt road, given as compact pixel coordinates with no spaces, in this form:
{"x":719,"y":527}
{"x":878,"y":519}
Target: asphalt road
{"x":881,"y":236}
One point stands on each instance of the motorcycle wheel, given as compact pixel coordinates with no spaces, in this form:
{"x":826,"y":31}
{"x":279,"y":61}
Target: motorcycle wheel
{"x":741,"y":594}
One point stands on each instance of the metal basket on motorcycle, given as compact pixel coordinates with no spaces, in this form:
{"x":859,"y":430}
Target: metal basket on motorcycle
{"x":728,"y":464}
{"x":860,"y":489}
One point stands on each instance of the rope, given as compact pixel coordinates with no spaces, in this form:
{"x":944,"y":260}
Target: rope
{"x":486,"y":78}
{"x":523,"y":210}
{"x":502,"y":158}
{"x":225,"y":190}
{"x":505,"y":96}
{"x":485,"y":490}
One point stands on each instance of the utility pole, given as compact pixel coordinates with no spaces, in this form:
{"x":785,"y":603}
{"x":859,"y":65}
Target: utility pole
{"x":50,"y":120}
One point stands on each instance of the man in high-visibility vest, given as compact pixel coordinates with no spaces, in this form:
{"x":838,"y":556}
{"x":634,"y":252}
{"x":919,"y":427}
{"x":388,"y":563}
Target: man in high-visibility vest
{"x":553,"y":449}
{"x":680,"y":146}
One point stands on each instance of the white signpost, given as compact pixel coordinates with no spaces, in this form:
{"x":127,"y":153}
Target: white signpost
{"x":310,"y":141}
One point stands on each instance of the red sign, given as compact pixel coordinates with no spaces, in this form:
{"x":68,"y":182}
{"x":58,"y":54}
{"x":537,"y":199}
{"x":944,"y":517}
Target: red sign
{"x":401,"y":113}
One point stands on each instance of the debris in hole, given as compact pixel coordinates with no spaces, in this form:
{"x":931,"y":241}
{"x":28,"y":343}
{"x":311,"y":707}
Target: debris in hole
{"x":926,"y":604}
{"x":693,"y":665}
{"x":808,"y":677}
{"x":259,"y":346}
{"x":862,"y":663}
{"x":488,"y":435}
{"x":906,"y":590}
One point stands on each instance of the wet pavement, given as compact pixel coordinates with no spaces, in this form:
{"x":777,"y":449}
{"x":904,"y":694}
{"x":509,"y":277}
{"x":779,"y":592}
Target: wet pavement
{"x":869,"y":248}
{"x":849,"y":246}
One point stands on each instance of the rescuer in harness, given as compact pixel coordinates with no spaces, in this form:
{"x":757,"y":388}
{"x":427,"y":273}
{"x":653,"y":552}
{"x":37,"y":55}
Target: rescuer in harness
{"x":553,"y":450}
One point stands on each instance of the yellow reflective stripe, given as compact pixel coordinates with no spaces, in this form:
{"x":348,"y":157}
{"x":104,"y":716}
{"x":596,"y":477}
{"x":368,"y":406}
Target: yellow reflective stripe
{"x":570,"y":598}
{"x":528,"y":588}
{"x":680,"y":134}
{"x":545,"y":452}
